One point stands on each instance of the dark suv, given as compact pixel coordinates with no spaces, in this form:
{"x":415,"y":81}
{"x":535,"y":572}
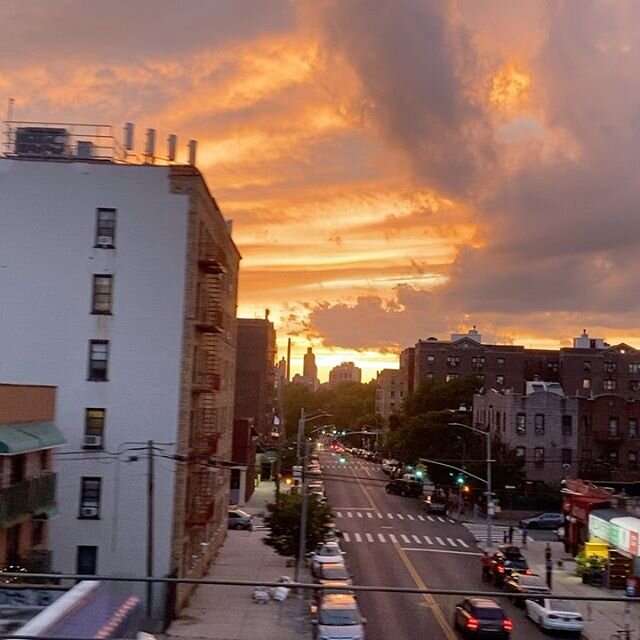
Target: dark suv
{"x":481,"y":617}
{"x":407,"y":488}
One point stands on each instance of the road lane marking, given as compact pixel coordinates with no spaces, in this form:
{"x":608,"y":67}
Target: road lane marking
{"x":427,"y":539}
{"x":381,"y":538}
{"x":451,"y":542}
{"x":440,"y":541}
{"x":430,"y":519}
{"x":379,"y":515}
{"x":405,"y":538}
{"x":441,"y":519}
{"x":359,"y":514}
{"x":369,"y":514}
{"x":462,"y":542}
{"x":428,"y":598}
{"x":349,"y":514}
{"x":390,"y":516}
{"x":410,"y":516}
{"x":346,"y":537}
{"x":358,"y":508}
{"x":399,"y":516}
{"x":369,"y":537}
{"x":417,"y":539}
{"x":460,"y":553}
{"x":358,"y":537}
{"x":393,"y":538}
{"x":338,"y":514}
{"x":421,"y":518}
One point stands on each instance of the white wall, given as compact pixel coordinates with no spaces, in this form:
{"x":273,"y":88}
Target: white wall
{"x":47,"y":232}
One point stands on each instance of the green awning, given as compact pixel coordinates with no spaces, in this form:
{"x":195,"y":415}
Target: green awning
{"x":29,"y":436}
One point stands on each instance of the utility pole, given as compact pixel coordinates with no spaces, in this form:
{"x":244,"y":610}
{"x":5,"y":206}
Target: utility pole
{"x":300,"y":435}
{"x":150,"y":490}
{"x":302,"y":542}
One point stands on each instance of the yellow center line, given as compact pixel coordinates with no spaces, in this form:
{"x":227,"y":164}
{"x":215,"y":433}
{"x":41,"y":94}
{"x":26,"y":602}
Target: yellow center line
{"x":415,"y":576}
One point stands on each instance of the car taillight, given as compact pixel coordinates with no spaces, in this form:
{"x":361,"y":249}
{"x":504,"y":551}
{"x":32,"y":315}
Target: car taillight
{"x":507,"y":625}
{"x":528,"y":572}
{"x":500,"y":569}
{"x":473,"y":624}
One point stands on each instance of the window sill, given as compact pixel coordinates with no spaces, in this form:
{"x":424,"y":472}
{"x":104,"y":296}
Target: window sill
{"x":88,"y":517}
{"x":97,"y":380}
{"x":101,"y":313}
{"x":104,"y":246}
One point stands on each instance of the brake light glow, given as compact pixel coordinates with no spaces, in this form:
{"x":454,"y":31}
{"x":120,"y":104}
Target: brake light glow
{"x":507,"y":625}
{"x":473,"y":624}
{"x":528,"y":572}
{"x":500,"y":569}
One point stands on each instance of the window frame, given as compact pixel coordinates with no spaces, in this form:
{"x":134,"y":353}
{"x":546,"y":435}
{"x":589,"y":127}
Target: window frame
{"x":521,"y":423}
{"x":538,"y":456}
{"x":90,"y":496}
{"x":98,"y":298}
{"x":106,"y":227}
{"x":92,"y":375}
{"x":567,"y":425}
{"x":539,"y":424}
{"x":632,"y":433}
{"x":500,"y":379}
{"x":610,"y":384}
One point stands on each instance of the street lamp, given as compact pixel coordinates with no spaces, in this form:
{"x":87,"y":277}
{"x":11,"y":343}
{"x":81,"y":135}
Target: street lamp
{"x":487,"y":434}
{"x":303,"y":489}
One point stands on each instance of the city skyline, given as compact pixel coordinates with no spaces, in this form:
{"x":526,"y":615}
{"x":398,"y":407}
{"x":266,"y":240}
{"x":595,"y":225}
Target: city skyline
{"x":394,"y":170}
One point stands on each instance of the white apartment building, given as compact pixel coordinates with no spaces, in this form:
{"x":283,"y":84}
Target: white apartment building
{"x":118,"y":285}
{"x":389,"y":392}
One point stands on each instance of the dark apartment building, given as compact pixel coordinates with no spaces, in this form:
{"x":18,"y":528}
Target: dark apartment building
{"x":255,"y":373}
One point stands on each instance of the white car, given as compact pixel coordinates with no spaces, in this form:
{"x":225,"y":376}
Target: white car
{"x":327,"y":552}
{"x":556,"y":615}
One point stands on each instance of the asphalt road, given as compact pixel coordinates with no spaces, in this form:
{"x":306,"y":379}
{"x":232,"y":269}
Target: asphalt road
{"x":391,"y":541}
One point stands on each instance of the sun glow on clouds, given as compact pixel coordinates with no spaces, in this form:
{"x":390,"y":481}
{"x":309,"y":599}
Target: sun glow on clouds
{"x":510,"y":88}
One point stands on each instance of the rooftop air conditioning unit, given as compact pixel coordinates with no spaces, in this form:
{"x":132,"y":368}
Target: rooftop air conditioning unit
{"x":89,"y":512}
{"x":104,"y":241}
{"x":93,"y":441}
{"x":41,"y":141}
{"x":85,"y":149}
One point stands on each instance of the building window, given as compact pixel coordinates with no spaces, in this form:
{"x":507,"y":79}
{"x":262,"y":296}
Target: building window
{"x":105,"y":228}
{"x":102,"y":296}
{"x":94,"y":421}
{"x":613,"y":427}
{"x":521,"y":423}
{"x":539,"y":424}
{"x":634,"y":385}
{"x":431,"y":358}
{"x":586,"y":365}
{"x":632,"y":460}
{"x":586,"y":383}
{"x":477,"y":362}
{"x":500,"y":362}
{"x":634,"y":367}
{"x":586,"y":426}
{"x":633,"y":428}
{"x":500,"y":379}
{"x":429,"y":376}
{"x":453,"y":361}
{"x":90,"y":498}
{"x":98,"y":360}
{"x":609,"y":367}
{"x":18,"y":468}
{"x":521,"y":452}
{"x":566,"y":456}
{"x":538,"y":456}
{"x":87,"y":560}
{"x":480,"y":377}
{"x":609,"y":385}
{"x":45,"y":459}
{"x":552,"y":366}
{"x":612,"y":457}
{"x":37,"y":532}
{"x":567,"y":425}
{"x":451,"y":377}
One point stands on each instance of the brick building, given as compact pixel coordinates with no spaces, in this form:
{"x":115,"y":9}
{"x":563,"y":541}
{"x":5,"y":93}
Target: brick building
{"x":389,"y":392}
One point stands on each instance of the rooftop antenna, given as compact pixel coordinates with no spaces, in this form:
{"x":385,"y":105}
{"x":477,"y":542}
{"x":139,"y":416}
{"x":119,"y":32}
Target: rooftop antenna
{"x":172,"y":143}
{"x":9,"y":120}
{"x":150,"y":147}
{"x":193,"y":146}
{"x":128,"y":136}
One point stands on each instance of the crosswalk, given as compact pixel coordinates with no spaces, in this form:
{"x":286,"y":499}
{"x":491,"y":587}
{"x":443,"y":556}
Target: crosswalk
{"x":370,"y":514}
{"x":479,"y":531}
{"x":406,"y":539}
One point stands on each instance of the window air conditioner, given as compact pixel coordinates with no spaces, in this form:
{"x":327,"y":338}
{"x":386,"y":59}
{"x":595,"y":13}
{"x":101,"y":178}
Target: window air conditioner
{"x":89,"y":512}
{"x":93,"y":441}
{"x":104,"y":241}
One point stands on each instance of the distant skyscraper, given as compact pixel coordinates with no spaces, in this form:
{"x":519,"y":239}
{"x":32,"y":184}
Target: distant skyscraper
{"x":345,"y":372}
{"x":310,"y":369}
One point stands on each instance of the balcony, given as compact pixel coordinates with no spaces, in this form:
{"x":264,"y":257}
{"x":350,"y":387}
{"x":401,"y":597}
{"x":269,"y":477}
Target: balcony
{"x":209,"y":321}
{"x":206,"y":383}
{"x":211,"y":259}
{"x":27,"y":497}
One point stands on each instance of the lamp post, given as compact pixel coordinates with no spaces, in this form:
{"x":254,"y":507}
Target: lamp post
{"x":487,"y":434}
{"x":303,"y":488}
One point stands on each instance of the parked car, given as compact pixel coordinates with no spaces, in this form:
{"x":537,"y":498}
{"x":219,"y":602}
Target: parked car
{"x":505,"y":562}
{"x":555,"y":615}
{"x":543,"y":521}
{"x":333,"y":573}
{"x":476,"y":617}
{"x":337,"y":616}
{"x":407,"y":488}
{"x":239,"y":519}
{"x":523,"y":584}
{"x":325,"y":553}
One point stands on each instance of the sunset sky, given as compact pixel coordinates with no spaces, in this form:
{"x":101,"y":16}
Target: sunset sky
{"x":395,"y":169}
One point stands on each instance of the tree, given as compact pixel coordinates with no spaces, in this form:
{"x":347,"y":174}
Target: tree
{"x":440,"y":396}
{"x":283,"y":520}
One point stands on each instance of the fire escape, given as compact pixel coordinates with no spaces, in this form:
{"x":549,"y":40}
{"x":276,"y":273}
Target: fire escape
{"x":204,"y":431}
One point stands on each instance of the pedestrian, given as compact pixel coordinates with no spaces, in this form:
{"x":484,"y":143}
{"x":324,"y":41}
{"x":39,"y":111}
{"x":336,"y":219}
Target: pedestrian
{"x":547,"y":552}
{"x":505,"y":536}
{"x":525,"y":533}
{"x":549,"y":570}
{"x":476,"y":510}
{"x":510,"y":534}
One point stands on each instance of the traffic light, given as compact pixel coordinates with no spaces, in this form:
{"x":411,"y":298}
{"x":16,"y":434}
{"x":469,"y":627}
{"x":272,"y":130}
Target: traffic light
{"x":460,"y":479}
{"x":342,"y":459}
{"x":419,"y":473}
{"x":465,"y":489}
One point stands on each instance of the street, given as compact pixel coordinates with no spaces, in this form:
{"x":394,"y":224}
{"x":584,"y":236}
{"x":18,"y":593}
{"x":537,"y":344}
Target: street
{"x":391,"y":541}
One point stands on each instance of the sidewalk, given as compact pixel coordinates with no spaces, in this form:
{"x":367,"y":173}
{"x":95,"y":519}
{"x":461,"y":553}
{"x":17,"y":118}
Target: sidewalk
{"x":602,"y":619}
{"x":229,"y":613}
